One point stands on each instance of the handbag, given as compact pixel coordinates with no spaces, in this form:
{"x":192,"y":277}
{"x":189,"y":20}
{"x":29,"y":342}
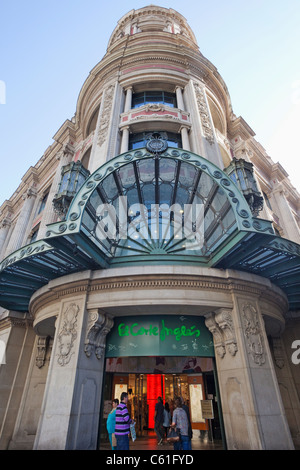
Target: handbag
{"x":173,"y":436}
{"x":113,"y":440}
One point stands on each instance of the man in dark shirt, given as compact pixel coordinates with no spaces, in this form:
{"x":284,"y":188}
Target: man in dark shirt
{"x":158,"y":420}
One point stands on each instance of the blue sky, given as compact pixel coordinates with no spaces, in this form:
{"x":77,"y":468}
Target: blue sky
{"x":47,"y":49}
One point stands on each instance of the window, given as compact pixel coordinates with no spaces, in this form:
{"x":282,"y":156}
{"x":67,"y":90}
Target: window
{"x":147,"y":97}
{"x":267,"y":201}
{"x":34,"y":234}
{"x":139,"y":140}
{"x":43,"y":203}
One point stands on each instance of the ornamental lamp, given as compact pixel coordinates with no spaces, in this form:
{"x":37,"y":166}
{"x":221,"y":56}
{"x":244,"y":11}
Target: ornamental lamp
{"x":241,"y":172}
{"x":73,"y":175}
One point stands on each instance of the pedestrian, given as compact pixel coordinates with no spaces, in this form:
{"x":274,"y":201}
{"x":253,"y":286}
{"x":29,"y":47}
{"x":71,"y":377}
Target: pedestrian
{"x":180,"y":421}
{"x":167,"y":419}
{"x":185,"y":407}
{"x":111,"y":423}
{"x":123,"y":421}
{"x":158,"y":420}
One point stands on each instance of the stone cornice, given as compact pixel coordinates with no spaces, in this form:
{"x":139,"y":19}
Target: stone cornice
{"x":10,"y":322}
{"x":209,"y":283}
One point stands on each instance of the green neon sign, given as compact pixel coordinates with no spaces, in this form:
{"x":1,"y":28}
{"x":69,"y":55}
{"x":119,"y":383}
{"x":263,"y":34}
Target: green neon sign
{"x":159,"y":335}
{"x":136,"y":330}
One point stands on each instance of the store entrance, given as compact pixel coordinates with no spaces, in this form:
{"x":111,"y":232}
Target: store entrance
{"x":146,"y":378}
{"x":143,"y":390}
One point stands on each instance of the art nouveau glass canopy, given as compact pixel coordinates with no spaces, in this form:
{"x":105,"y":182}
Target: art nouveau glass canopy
{"x":154,"y":205}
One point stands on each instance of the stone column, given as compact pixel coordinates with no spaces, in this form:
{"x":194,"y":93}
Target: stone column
{"x":64,"y":157}
{"x":179,"y":97}
{"x":107,"y":128}
{"x":4,"y":229}
{"x":253,"y":413}
{"x":71,"y":406}
{"x":287,"y":220}
{"x":17,"y":237}
{"x":17,"y":333}
{"x":125,"y":140}
{"x":202,"y":135}
{"x":128,"y":99}
{"x":185,"y":138}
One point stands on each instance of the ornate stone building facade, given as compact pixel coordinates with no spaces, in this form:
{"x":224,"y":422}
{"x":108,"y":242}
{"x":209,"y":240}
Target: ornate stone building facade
{"x":154,"y":127}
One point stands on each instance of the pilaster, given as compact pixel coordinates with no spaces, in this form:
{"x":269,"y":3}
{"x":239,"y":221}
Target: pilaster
{"x":71,"y":407}
{"x":64,"y":157}
{"x":253,"y":412}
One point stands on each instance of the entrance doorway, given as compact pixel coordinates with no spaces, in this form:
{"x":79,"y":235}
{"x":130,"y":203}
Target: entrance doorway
{"x":192,"y":379}
{"x":144,"y":389}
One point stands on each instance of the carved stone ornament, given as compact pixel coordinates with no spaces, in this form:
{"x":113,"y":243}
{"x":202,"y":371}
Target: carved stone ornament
{"x":67,"y":334}
{"x":278,"y":352}
{"x":41,"y":351}
{"x":213,"y":327}
{"x":106,"y":112}
{"x":204,"y":113}
{"x":220,"y":324}
{"x":253,"y":334}
{"x":98,"y":326}
{"x":224,"y":320}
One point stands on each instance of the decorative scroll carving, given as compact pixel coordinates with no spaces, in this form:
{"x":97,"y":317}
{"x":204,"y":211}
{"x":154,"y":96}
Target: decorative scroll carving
{"x":213,"y":327}
{"x":107,"y":105}
{"x":98,"y":326}
{"x":220,"y":324}
{"x":42,"y":347}
{"x":204,"y":113}
{"x":224,"y":320}
{"x":253,"y":334}
{"x":67,"y":334}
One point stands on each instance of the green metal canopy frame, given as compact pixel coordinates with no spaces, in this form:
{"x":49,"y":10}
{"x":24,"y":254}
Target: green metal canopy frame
{"x":233,"y":238}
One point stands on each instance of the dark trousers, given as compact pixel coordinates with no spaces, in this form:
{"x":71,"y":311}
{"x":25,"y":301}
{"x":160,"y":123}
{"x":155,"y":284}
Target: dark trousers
{"x":122,"y":442}
{"x":159,"y":429}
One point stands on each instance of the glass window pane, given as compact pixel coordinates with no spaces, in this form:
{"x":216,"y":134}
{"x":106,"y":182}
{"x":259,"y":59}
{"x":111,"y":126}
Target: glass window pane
{"x":146,"y":169}
{"x":167,"y":168}
{"x":127,"y":175}
{"x":187,"y":174}
{"x":110,"y":186}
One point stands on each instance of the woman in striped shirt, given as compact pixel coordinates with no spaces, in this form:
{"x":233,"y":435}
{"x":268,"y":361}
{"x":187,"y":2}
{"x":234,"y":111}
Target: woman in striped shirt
{"x":123,"y":421}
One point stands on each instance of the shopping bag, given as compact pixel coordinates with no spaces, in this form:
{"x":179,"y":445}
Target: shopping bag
{"x":132,"y":432}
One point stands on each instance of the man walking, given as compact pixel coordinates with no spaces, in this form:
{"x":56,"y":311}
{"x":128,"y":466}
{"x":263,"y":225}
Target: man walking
{"x":123,"y":421}
{"x":158,"y":420}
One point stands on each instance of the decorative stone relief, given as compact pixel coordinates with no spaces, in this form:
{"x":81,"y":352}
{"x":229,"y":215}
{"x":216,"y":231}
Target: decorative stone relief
{"x":220,"y":324}
{"x":278,"y":352}
{"x":213,"y":327}
{"x":204,"y":113}
{"x":98,"y":326}
{"x":253,"y":334}
{"x":224,"y":320}
{"x":42,"y":346}
{"x":67,"y":334}
{"x":105,"y":117}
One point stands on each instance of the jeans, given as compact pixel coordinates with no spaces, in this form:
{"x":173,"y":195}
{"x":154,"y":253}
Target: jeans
{"x":122,"y":442}
{"x":183,"y":444}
